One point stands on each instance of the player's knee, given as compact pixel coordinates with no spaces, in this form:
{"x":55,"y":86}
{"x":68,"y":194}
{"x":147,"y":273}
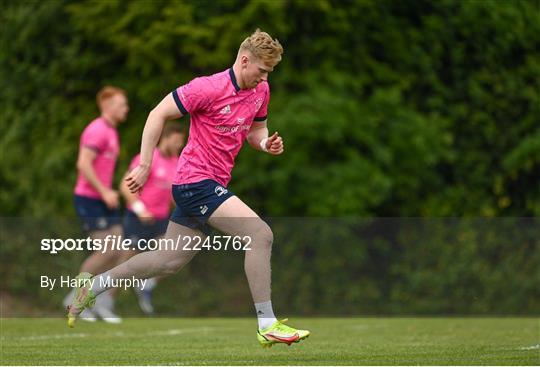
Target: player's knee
{"x":172,"y":266}
{"x":169,"y":268}
{"x":263,"y":236}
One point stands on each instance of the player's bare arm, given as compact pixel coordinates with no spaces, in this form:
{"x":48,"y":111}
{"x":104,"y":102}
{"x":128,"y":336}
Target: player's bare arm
{"x":84,"y":165}
{"x":133,"y":200}
{"x":165,"y":110}
{"x":258,"y":139}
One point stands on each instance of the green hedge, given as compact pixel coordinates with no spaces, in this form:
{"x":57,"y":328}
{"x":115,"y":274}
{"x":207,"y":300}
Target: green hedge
{"x":387,"y":108}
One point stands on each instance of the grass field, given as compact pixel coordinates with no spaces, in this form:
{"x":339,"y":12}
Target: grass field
{"x":334,"y":341}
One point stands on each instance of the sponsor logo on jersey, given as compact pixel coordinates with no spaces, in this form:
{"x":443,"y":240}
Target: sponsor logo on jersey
{"x":225,"y":110}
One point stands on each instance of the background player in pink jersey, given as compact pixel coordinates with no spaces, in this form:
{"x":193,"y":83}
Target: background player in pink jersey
{"x":148,"y":211}
{"x":96,"y":203}
{"x":226,"y":109}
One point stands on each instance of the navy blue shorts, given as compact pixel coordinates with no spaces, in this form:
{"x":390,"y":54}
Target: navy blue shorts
{"x":94,"y":213}
{"x":136,"y":230}
{"x":195,"y":203}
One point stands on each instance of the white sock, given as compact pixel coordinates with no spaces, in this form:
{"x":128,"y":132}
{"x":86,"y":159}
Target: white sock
{"x":265,"y":314}
{"x":100,"y":282}
{"x":105,"y":300}
{"x":149,"y":285}
{"x":69,"y":298}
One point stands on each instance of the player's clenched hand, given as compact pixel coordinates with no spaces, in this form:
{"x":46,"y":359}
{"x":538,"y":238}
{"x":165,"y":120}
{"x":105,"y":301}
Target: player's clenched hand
{"x":110,"y":197}
{"x":274,"y":144}
{"x":137,"y":178}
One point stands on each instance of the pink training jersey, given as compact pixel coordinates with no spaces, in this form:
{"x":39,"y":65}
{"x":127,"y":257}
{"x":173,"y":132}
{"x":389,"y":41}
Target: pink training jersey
{"x":103,"y":139}
{"x":221,"y":116}
{"x":156,"y":194}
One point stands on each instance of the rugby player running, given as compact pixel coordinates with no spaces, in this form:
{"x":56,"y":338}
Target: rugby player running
{"x":226,"y":109}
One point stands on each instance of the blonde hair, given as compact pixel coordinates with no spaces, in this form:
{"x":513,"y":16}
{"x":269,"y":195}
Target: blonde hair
{"x":262,"y":46}
{"x":108,"y":92}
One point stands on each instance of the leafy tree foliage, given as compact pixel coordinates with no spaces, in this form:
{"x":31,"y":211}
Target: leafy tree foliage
{"x":387,"y":108}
